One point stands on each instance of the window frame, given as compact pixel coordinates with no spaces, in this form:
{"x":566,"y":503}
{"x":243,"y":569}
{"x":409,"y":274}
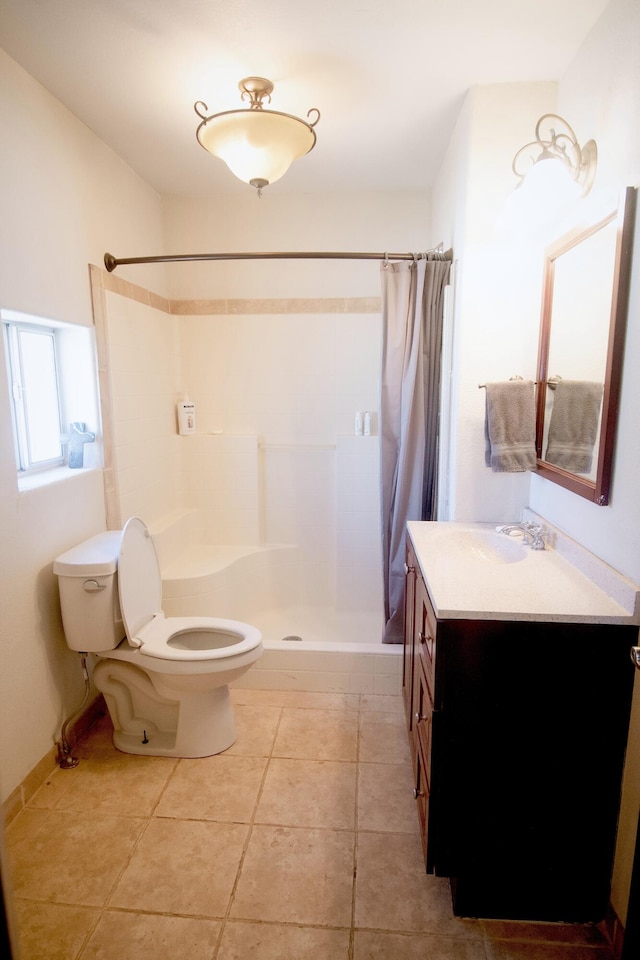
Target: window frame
{"x":12,"y":330}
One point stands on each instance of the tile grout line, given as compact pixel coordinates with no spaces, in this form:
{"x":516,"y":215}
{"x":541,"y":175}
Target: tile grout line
{"x":171,"y":776}
{"x":90,"y":932}
{"x":106,"y":905}
{"x":352,"y":933}
{"x":245,"y":848}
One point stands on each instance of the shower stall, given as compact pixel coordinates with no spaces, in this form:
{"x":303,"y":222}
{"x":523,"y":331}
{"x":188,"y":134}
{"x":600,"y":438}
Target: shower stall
{"x":270,"y":511}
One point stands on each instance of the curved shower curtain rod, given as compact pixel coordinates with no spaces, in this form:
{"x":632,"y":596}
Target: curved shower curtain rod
{"x":112,"y":262}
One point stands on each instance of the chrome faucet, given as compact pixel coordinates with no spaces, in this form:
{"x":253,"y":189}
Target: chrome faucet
{"x":533,"y":533}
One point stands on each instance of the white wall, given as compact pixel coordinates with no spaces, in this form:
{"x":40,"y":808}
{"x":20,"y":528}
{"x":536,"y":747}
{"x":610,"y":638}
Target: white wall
{"x":497,"y":299}
{"x":392,"y":221}
{"x":600,"y":94}
{"x":65,"y":199}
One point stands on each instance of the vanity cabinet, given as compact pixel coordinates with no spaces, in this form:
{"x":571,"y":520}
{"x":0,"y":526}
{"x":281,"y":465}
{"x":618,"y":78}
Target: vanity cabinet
{"x":518,"y":731}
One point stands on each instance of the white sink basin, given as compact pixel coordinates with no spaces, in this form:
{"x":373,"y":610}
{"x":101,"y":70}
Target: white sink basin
{"x":489,"y":546}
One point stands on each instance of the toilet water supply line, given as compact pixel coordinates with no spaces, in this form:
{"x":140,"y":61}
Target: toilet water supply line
{"x":66,"y":760}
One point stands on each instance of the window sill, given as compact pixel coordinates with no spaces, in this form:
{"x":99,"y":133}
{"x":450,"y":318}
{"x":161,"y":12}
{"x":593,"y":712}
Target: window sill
{"x":44,"y":478}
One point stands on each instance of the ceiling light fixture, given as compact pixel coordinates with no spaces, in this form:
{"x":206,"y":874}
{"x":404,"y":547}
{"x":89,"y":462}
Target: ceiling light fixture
{"x":257,"y":145}
{"x":560,"y":143}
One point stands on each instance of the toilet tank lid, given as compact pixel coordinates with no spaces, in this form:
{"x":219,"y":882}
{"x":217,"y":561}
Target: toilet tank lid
{"x":97,"y":556}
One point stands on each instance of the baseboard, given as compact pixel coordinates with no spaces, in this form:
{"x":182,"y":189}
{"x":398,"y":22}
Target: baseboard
{"x":19,"y":798}
{"x":615,"y":931}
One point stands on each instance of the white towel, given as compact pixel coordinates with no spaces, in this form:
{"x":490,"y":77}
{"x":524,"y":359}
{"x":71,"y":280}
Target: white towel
{"x":510,"y":426}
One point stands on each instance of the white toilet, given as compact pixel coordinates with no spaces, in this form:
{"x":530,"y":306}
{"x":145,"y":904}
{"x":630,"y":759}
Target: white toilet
{"x":165,"y":679}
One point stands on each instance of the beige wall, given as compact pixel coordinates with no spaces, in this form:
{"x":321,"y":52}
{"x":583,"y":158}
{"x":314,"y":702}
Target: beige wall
{"x":392,"y":221}
{"x":65,"y":199}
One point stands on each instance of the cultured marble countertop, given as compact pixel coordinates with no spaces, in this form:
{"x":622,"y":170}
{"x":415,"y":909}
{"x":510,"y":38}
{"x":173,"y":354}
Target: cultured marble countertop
{"x":474,"y":573}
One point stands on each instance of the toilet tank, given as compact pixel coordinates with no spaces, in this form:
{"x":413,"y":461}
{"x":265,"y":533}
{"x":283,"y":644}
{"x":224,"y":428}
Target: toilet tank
{"x":88,"y":584}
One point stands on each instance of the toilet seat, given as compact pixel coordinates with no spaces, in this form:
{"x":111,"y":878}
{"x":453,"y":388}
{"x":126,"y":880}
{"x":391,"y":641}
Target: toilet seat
{"x":162,"y":637}
{"x":168,"y":638}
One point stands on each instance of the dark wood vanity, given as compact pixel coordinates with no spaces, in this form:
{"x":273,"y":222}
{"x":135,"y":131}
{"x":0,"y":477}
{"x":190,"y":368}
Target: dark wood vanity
{"x":518,"y":731}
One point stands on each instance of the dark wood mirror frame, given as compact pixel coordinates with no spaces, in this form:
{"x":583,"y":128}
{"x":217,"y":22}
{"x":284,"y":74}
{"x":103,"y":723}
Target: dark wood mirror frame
{"x":597,"y":491}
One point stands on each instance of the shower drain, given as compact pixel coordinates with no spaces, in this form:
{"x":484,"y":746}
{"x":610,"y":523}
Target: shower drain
{"x":292,"y":637}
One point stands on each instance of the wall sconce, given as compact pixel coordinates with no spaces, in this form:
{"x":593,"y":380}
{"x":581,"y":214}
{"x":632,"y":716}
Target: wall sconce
{"x":257,"y":145}
{"x":560,"y":143}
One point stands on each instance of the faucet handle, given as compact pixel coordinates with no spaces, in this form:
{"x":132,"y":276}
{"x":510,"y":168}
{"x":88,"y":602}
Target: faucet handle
{"x":538,"y":537}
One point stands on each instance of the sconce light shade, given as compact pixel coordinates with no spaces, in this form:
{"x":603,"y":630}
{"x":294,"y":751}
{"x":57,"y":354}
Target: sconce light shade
{"x":560,"y":143}
{"x":257,"y":145}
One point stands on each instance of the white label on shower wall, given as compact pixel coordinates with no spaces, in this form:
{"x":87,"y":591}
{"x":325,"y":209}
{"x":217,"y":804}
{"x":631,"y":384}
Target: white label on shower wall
{"x":186,"y":417}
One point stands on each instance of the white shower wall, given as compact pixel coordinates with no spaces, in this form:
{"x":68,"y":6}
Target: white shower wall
{"x":274,"y":458}
{"x":138,"y":347}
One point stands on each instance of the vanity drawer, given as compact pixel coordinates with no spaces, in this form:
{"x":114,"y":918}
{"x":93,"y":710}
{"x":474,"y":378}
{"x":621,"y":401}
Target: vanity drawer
{"x":425,"y":627}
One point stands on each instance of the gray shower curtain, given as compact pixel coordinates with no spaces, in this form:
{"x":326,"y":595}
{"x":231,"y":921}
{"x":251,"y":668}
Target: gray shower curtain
{"x":412,"y":303}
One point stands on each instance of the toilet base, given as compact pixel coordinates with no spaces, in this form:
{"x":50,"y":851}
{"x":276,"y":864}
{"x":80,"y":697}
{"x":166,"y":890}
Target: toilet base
{"x":162,"y":744}
{"x":146,"y":722}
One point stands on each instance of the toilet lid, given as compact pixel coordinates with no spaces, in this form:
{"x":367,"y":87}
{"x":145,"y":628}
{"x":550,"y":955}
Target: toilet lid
{"x":139,"y":580}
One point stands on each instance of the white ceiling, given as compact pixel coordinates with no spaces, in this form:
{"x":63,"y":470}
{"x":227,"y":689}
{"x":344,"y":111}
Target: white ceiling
{"x":387,"y":77}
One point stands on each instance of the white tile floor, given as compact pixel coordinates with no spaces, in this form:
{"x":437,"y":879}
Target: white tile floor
{"x":299,"y":843}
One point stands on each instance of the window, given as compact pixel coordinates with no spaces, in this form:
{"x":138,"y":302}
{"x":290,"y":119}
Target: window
{"x":33,"y":382}
{"x":53,"y":396}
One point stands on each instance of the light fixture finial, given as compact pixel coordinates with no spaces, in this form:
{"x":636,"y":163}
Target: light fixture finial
{"x":255,"y":89}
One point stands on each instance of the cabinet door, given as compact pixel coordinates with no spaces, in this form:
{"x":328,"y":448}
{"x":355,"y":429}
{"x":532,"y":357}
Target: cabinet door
{"x":528,"y":764}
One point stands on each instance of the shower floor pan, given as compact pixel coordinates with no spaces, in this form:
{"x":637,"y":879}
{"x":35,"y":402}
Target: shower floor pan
{"x":337,"y":652}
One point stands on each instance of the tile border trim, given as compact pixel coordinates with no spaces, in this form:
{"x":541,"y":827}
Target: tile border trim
{"x":226,"y":307}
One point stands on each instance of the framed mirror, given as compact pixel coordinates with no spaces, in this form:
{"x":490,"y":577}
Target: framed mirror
{"x":585,"y":301}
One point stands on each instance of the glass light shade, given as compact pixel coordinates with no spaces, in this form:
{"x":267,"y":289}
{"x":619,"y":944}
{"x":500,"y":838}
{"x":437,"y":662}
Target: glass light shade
{"x":550,"y":181}
{"x":256,"y":144}
{"x":544,"y":197}
{"x":540,"y":202}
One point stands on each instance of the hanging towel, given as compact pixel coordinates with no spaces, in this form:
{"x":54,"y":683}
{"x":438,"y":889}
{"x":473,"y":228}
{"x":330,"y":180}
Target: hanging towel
{"x":510,"y":427}
{"x":573,"y":426}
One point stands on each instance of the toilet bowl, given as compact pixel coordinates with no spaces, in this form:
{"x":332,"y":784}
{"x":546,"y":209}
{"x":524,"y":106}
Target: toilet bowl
{"x":164,"y":679}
